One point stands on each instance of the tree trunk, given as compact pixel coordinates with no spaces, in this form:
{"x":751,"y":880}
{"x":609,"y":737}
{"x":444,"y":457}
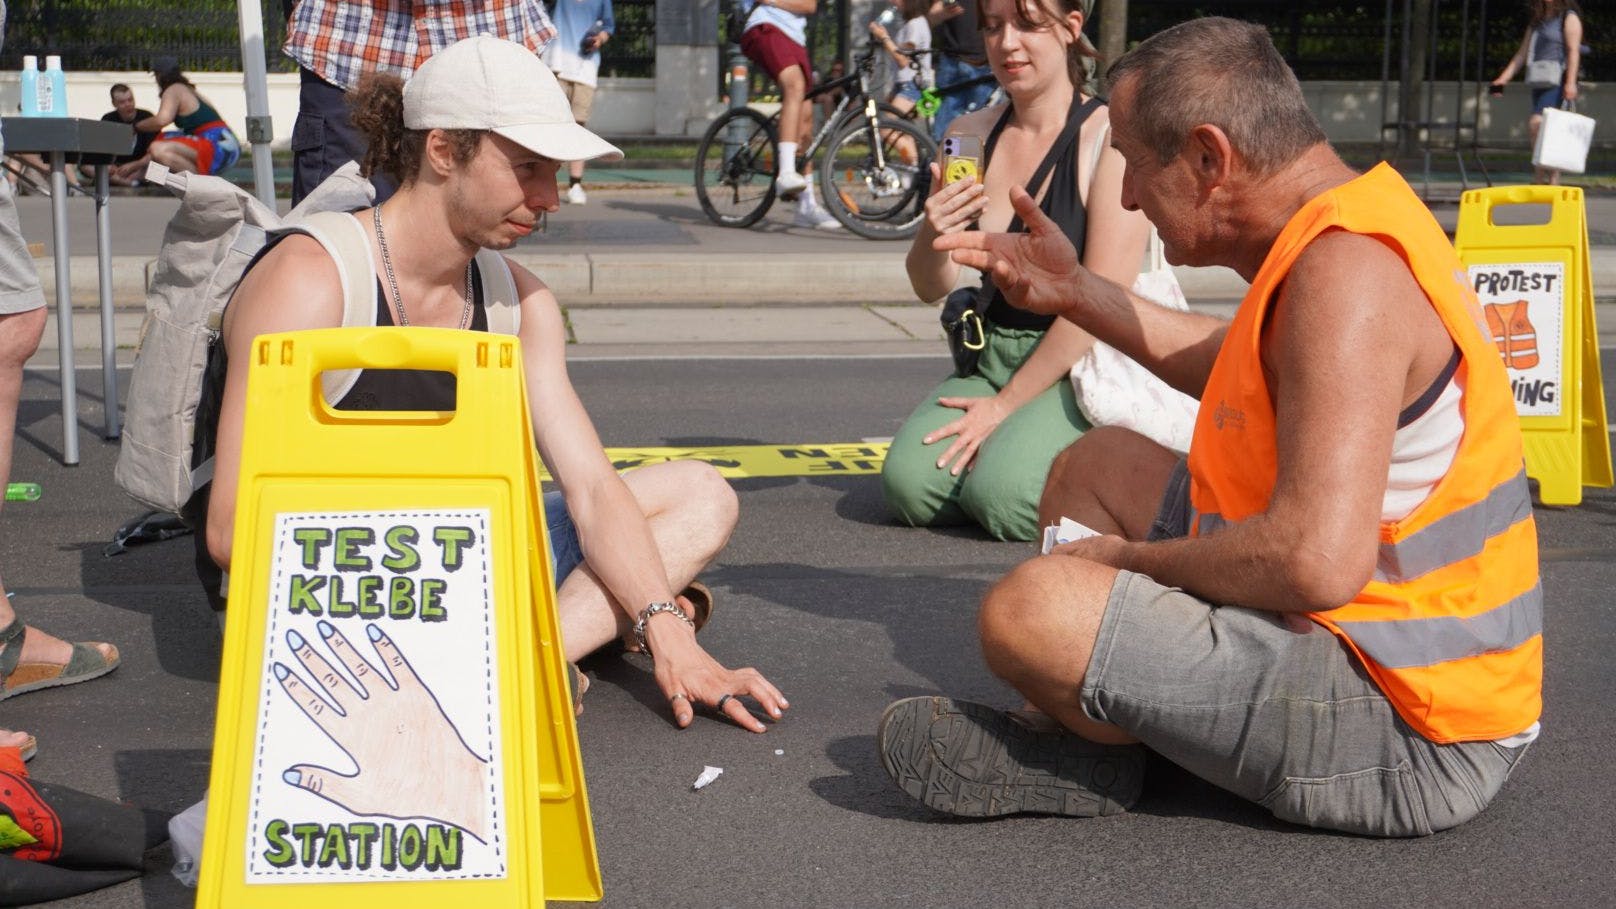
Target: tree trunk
{"x":1411,"y":94}
{"x":1113,"y":31}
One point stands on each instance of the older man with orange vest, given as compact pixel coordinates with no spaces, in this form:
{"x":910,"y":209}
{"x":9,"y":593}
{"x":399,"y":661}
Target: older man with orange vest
{"x":1332,"y":607}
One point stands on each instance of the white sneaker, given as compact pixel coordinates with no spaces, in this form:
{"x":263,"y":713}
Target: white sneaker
{"x":810,"y":215}
{"x":788,"y":184}
{"x":575,"y":194}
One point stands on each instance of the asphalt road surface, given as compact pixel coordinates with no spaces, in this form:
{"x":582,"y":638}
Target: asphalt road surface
{"x":844,"y":612}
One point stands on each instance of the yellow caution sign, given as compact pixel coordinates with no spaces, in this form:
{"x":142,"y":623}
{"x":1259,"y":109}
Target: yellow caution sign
{"x":394,"y":726}
{"x":818,"y":459}
{"x":1537,"y":301}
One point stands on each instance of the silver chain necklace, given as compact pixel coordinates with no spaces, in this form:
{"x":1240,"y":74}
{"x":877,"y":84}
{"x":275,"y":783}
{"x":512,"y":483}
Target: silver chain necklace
{"x":392,"y":282}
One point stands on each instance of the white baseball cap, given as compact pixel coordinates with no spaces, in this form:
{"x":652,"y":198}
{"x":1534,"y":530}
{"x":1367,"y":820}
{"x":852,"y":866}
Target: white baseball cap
{"x":500,"y":86}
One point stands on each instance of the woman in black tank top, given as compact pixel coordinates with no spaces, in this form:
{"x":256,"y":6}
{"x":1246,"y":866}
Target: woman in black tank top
{"x":978,"y":448}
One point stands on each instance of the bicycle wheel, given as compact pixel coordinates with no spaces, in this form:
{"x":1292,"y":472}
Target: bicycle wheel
{"x":872,"y":184}
{"x":735,"y":166}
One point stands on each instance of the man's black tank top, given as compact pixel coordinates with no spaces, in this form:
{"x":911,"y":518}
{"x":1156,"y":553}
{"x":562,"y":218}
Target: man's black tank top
{"x":1061,"y":203}
{"x":409,"y":389}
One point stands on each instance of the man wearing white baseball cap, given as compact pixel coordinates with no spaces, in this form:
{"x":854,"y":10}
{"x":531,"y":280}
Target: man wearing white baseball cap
{"x":475,"y":139}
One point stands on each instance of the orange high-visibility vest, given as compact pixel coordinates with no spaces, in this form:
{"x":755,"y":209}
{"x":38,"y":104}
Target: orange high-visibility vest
{"x":1513,"y":333}
{"x":1450,"y":625}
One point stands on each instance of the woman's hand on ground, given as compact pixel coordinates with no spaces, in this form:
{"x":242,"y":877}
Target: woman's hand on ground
{"x":982,"y":416}
{"x":952,"y":207}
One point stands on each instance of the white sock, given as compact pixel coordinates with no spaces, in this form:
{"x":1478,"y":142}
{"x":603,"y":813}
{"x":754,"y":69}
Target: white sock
{"x":788,"y":158}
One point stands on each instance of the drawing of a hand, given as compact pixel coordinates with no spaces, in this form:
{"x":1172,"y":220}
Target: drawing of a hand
{"x":412,"y":762}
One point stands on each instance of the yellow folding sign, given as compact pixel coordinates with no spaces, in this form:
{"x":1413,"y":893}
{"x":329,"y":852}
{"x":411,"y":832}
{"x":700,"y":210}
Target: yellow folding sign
{"x":1537,"y":301}
{"x":393,"y":724}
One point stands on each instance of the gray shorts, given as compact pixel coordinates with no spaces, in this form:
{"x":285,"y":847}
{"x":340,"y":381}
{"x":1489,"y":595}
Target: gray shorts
{"x":1274,"y":709}
{"x":19,"y":281}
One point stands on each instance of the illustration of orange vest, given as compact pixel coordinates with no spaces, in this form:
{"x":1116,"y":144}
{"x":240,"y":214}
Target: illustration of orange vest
{"x":1450,"y":625}
{"x":1513,"y":333}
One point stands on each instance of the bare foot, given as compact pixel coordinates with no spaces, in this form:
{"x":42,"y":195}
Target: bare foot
{"x":14,"y":739}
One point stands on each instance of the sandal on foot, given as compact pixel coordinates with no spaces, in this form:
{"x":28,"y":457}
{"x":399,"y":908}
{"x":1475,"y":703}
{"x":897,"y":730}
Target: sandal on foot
{"x":17,"y":677}
{"x":971,"y":760}
{"x":701,"y":603}
{"x":577,"y":684}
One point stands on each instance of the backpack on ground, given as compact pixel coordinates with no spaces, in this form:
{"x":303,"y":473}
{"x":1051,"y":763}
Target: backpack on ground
{"x":207,"y":246}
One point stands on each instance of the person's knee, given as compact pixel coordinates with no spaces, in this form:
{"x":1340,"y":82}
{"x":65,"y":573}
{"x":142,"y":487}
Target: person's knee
{"x":1038,"y":621}
{"x":710,"y":503}
{"x":20,"y":334}
{"x":906,"y":490}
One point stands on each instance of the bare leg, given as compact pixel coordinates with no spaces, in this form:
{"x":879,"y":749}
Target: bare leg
{"x":794,"y":127}
{"x":1038,"y":627}
{"x":19,"y":338}
{"x":176,"y":156}
{"x":691,"y":510}
{"x":1111,"y":480}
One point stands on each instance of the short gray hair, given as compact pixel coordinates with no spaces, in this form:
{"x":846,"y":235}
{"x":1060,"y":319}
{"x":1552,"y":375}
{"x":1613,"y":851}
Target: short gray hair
{"x":1221,"y":72}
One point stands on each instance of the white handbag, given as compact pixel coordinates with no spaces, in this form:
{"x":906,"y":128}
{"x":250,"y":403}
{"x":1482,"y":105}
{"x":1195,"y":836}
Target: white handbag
{"x":1114,"y":390}
{"x":1563,"y":140}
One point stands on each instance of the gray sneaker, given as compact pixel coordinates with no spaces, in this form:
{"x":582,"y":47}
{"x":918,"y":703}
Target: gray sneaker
{"x":971,"y":760}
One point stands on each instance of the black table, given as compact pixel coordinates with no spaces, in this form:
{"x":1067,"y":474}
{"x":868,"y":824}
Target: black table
{"x":95,"y":143}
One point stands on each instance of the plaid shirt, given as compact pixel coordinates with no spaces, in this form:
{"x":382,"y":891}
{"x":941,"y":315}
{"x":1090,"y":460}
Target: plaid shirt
{"x":339,"y":40}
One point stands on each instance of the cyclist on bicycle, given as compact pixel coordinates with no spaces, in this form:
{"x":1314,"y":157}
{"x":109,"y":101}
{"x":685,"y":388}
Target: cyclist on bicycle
{"x":776,"y":39}
{"x":910,"y":49}
{"x":960,"y":57}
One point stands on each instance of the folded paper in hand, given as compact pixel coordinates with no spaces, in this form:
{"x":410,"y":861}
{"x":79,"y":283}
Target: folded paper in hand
{"x":1065,"y":532}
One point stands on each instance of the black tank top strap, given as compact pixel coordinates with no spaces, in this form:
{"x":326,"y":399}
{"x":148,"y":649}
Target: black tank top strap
{"x":1061,"y":203}
{"x":409,"y":389}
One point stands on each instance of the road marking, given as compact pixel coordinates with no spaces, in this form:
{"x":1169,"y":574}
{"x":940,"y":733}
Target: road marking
{"x":817,"y":459}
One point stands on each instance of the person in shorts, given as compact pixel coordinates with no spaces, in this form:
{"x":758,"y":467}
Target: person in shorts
{"x":582,"y":28}
{"x":1333,"y":607}
{"x":30,"y":659}
{"x":201,"y":143}
{"x":776,"y":38}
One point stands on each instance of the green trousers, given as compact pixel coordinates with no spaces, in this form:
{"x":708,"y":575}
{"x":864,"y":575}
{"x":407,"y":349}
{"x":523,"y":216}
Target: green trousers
{"x":1000,"y":491}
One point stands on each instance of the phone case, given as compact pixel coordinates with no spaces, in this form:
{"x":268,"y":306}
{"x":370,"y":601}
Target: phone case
{"x":962,"y":157}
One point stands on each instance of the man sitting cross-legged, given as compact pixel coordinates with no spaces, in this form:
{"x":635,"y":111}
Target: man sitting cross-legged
{"x":1333,"y":607}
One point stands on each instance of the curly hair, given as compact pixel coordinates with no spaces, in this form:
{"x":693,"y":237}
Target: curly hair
{"x":377,"y":107}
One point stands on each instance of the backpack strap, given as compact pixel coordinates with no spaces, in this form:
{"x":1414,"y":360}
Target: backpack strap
{"x":500,"y":303}
{"x":348,"y":244}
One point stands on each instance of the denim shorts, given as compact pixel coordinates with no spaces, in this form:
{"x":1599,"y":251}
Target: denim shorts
{"x":566,"y":553}
{"x":1274,"y":708}
{"x":906,"y":90}
{"x":1546,"y":97}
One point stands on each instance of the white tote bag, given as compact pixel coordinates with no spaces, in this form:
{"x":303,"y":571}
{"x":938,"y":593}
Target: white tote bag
{"x":1114,"y":390}
{"x":1563,"y":140}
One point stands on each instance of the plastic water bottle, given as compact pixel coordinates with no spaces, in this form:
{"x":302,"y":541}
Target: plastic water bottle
{"x":30,"y":86}
{"x":53,"y":88}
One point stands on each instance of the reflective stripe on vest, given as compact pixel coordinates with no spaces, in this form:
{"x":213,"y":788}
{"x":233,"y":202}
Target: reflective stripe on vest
{"x":1407,"y":643}
{"x":1449,"y":626}
{"x":1448,"y":541}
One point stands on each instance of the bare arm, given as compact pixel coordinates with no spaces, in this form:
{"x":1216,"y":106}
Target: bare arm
{"x":1573,"y":43}
{"x":295,"y":286}
{"x":1316,"y":545}
{"x":1516,"y":61}
{"x":167,"y":111}
{"x":612,"y":530}
{"x":1039,"y":271}
{"x":940,"y":12}
{"x":879,"y":32}
{"x":949,"y":209}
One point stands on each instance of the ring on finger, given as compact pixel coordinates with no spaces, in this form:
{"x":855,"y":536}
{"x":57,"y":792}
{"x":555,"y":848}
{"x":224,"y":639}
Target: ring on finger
{"x":722,"y":701}
{"x":678,"y":696}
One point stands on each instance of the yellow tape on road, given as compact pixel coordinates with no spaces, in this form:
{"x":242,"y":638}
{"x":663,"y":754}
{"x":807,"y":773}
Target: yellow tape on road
{"x":740,"y":461}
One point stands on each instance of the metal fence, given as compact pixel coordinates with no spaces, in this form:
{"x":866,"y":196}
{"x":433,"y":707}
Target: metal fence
{"x":204,"y":34}
{"x":1319,"y":40}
